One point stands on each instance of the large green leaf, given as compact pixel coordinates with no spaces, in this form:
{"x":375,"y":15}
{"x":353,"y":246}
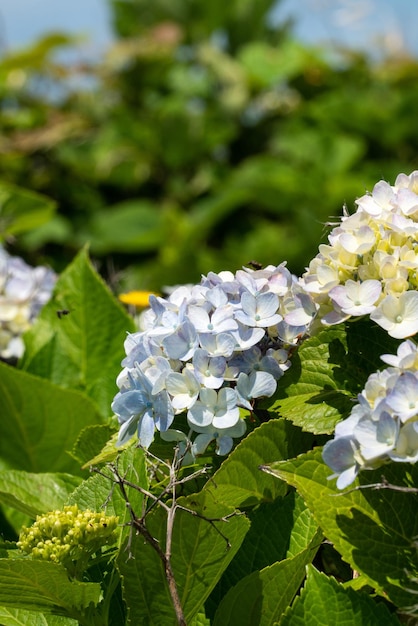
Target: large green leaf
{"x":263,"y":596}
{"x":239,"y":482}
{"x":327,"y":372}
{"x":43,"y":586}
{"x":324,"y":602}
{"x":40,"y":422}
{"x":33,"y":494}
{"x":200,"y":554}
{"x":77,"y":340}
{"x":373,"y":530}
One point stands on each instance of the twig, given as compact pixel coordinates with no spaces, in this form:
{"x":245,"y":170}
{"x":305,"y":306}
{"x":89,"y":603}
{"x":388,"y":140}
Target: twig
{"x":139,"y":523}
{"x":384,"y":484}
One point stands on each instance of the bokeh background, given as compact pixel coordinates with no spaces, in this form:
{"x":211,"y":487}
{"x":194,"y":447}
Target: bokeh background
{"x":176,"y":137}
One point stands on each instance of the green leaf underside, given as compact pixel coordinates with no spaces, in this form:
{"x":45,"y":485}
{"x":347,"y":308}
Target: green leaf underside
{"x":34,"y":494}
{"x":324,"y":602}
{"x":43,"y":422}
{"x":239,"y":482}
{"x":373,"y":530}
{"x":83,"y":348}
{"x":43,"y":586}
{"x":327,"y":373}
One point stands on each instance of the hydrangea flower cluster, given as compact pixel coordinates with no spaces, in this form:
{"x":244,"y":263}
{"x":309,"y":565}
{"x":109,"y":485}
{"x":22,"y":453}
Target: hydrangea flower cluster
{"x":370,"y":265}
{"x":383,"y":426}
{"x":69,"y":537}
{"x":208,"y":351}
{"x":23,"y":292}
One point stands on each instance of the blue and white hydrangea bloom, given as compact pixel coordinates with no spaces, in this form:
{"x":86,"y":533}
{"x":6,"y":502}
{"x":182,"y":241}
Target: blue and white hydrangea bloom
{"x":24,"y":290}
{"x":370,"y":265}
{"x":383,"y":425}
{"x":209,"y":351}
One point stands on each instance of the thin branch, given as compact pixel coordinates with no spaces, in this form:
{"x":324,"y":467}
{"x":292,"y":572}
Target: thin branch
{"x":139,"y":523}
{"x":384,"y":484}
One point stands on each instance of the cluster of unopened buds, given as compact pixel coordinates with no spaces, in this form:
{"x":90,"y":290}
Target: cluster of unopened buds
{"x":370,"y":265}
{"x":383,"y":425}
{"x":69,"y":537}
{"x":23,"y":292}
{"x":209,"y":351}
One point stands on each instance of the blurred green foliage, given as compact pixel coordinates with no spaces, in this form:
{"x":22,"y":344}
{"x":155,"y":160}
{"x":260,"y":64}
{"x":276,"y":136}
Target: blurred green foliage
{"x":205,"y":138}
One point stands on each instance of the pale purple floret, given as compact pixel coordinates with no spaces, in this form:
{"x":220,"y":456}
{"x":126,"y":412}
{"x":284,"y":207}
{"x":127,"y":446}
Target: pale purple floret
{"x":182,"y":343}
{"x":356,"y":298}
{"x":340,"y":455}
{"x":259,"y":310}
{"x":403,"y":397}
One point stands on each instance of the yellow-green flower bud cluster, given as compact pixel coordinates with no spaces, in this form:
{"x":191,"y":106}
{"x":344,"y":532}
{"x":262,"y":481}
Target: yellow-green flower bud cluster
{"x":68,"y":536}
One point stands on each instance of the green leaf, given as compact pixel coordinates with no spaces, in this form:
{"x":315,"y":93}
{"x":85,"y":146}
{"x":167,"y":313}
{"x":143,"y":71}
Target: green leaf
{"x":278,"y":530}
{"x":374,"y":531}
{"x":100,"y":491}
{"x":263,"y":596}
{"x":91,"y":442}
{"x":43,"y":586}
{"x":22,"y":210}
{"x":239,"y":482}
{"x":324,"y":602}
{"x":81,"y":349}
{"x":20,"y":617}
{"x":200,"y":554}
{"x":40,"y":422}
{"x":33,"y":494}
{"x":200,"y":620}
{"x":327,"y":372}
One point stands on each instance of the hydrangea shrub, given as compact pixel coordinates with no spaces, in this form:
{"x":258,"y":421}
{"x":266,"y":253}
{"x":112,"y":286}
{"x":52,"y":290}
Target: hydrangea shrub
{"x":227,"y":387}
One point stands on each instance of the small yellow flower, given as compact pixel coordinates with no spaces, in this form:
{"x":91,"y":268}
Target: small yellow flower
{"x":139,"y":299}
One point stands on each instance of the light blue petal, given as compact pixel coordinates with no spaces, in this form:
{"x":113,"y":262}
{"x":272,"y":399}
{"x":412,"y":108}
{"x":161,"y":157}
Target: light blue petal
{"x":146,"y":429}
{"x":263,"y":384}
{"x":201,"y":443}
{"x":224,"y":445}
{"x":127,"y":431}
{"x":199,"y":415}
{"x":129,"y":403}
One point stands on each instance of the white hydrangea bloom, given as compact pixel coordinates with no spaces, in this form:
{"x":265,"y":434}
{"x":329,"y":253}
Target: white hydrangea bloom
{"x":208,"y":351}
{"x":383,"y":426}
{"x":24,"y":290}
{"x":377,"y":244}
